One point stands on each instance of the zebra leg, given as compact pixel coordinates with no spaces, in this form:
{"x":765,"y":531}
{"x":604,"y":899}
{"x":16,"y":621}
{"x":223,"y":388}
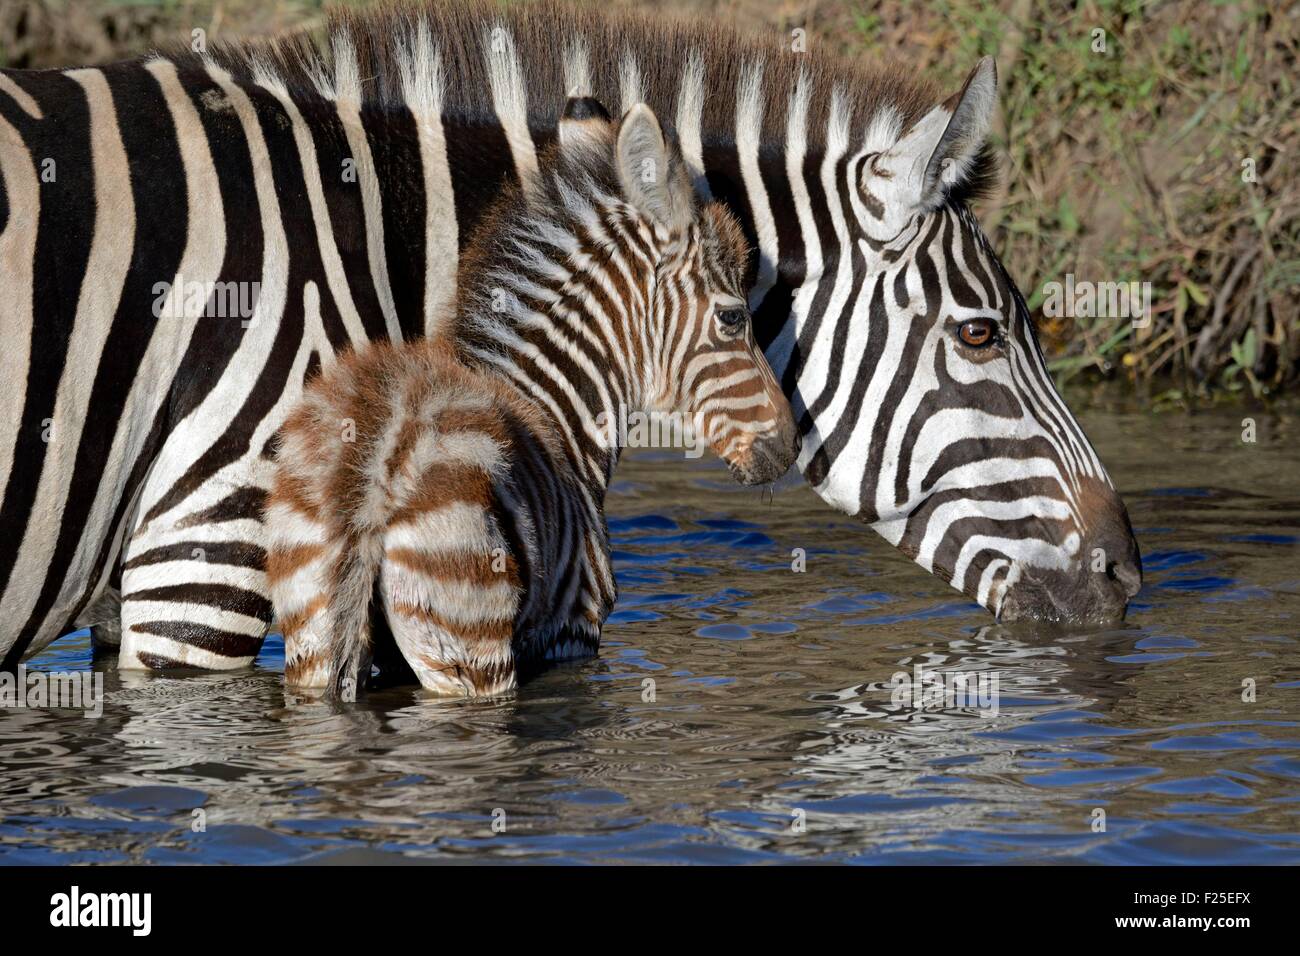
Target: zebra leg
{"x":452,"y":615}
{"x":302,"y":553}
{"x":194,"y":590}
{"x":104,"y":618}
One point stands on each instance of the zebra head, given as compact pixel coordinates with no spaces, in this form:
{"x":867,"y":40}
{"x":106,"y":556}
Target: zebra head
{"x":964,"y":456}
{"x":703,"y":361}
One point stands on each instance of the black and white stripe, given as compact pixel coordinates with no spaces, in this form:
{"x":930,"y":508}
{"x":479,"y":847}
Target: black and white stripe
{"x":469,"y":493}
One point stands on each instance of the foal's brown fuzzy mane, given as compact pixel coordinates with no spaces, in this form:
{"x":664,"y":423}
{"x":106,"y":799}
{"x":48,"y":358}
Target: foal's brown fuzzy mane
{"x":581,"y":175}
{"x":660,"y":46}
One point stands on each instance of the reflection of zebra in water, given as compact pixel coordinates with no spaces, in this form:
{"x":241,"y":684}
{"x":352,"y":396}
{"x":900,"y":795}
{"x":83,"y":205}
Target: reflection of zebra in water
{"x":464,"y":477}
{"x":343,"y":179}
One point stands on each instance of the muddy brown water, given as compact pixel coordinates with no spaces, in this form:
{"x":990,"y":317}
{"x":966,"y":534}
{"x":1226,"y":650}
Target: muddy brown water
{"x":740,"y":711}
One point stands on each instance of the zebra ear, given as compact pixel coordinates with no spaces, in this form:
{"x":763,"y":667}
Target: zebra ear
{"x":584,"y":127}
{"x":940,"y":150}
{"x":651,"y":178}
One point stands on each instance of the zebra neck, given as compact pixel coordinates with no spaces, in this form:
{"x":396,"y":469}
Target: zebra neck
{"x":577,"y":398}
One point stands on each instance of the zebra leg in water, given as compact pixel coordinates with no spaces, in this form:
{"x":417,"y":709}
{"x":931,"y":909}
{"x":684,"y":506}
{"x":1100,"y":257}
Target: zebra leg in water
{"x":306,"y":554}
{"x":193,"y":575}
{"x":194,"y":589}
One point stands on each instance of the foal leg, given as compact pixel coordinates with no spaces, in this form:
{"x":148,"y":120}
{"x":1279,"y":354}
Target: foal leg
{"x":302,"y":554}
{"x":451,"y":610}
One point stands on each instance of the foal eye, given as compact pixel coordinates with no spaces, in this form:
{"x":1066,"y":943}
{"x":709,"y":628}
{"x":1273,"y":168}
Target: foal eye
{"x":978,"y":333}
{"x":732,"y":319}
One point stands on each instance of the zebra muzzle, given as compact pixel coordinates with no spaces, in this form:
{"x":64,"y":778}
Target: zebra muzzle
{"x":769,"y":457}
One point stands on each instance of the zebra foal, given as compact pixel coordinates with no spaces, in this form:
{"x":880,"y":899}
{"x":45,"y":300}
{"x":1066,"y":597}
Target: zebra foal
{"x":462,"y":478}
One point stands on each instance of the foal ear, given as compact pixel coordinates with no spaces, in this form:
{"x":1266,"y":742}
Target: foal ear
{"x":651,"y":176}
{"x":585,"y":127}
{"x":940,"y":150}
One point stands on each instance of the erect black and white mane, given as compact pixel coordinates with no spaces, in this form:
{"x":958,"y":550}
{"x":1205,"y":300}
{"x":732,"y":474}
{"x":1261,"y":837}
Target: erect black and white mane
{"x":510,"y":68}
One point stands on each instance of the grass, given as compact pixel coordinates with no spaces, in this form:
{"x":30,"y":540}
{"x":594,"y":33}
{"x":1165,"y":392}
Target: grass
{"x":1164,"y":153}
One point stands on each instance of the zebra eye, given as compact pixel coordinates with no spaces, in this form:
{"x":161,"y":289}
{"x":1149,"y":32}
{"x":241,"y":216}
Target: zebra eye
{"x":978,"y":333}
{"x":732,"y":319}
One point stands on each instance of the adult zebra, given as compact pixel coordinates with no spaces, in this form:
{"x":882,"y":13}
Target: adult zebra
{"x":342,"y":177}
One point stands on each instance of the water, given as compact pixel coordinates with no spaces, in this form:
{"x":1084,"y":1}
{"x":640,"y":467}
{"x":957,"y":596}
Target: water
{"x":771,"y":734}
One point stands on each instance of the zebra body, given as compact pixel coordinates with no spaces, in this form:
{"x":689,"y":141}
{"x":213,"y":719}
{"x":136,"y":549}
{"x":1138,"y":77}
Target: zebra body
{"x":344,"y":177}
{"x":463,"y":477}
